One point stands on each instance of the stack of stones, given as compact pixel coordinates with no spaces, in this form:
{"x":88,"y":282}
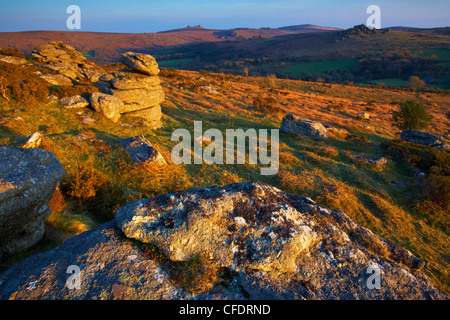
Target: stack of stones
{"x":138,"y":87}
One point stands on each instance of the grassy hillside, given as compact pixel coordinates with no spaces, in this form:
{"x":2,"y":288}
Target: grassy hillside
{"x":358,"y":55}
{"x":389,"y":201}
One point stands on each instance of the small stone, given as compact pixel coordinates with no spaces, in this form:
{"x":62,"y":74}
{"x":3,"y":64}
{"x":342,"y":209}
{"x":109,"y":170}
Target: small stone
{"x":142,"y":151}
{"x":304,"y":127}
{"x":74,"y":102}
{"x":33,"y":141}
{"x":362,"y":116}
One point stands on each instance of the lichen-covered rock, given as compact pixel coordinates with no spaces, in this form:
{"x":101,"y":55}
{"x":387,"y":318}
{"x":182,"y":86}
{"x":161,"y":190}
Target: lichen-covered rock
{"x":135,"y":80}
{"x":108,"y":105}
{"x":112,"y":267}
{"x":74,"y":102}
{"x":33,"y":141}
{"x":13,"y":60}
{"x":363,"y":116}
{"x":138,"y":99}
{"x":67,"y":61}
{"x":141,"y":150}
{"x":57,"y":79}
{"x":137,"y":86}
{"x":28,"y":179}
{"x":420,"y":137}
{"x":265,"y":244}
{"x":151,"y":115}
{"x":144,"y":63}
{"x":304,"y":127}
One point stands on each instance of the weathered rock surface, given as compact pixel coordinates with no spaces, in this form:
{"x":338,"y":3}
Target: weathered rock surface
{"x":74,"y":102}
{"x":112,"y":267}
{"x":28,"y":178}
{"x":141,"y":150}
{"x":108,"y":105}
{"x":144,"y":63}
{"x":209,"y":89}
{"x":57,"y":79}
{"x":138,"y":87}
{"x":65,"y":60}
{"x":267,"y":244}
{"x":134,"y":80}
{"x":13,"y":60}
{"x":33,"y":141}
{"x":138,"y":99}
{"x":363,"y":116}
{"x":420,"y":137}
{"x":151,"y":116}
{"x":304,"y":127}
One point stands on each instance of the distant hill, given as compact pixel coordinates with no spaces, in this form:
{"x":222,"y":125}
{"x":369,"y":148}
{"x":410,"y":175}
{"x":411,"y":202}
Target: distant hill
{"x":443,"y":30}
{"x":306,"y":28}
{"x":358,"y":54}
{"x":107,"y":47}
{"x":188,"y":28}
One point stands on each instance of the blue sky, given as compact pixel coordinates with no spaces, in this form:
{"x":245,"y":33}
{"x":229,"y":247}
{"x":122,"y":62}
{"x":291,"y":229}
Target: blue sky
{"x":152,"y":16}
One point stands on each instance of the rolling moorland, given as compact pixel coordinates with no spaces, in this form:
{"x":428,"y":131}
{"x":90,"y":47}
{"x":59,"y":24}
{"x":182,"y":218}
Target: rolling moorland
{"x":405,"y":200}
{"x":357,"y":55}
{"x":386,"y":57}
{"x":107,"y":47}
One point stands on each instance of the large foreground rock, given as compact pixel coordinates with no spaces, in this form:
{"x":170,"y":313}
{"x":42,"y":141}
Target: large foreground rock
{"x":304,"y":127}
{"x":266,"y":244}
{"x":28,"y":179}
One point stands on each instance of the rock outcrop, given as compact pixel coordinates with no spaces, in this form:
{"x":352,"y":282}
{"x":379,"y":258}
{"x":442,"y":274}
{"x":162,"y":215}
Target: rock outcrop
{"x":420,"y":137}
{"x":28,"y":179}
{"x":66,"y":61}
{"x":138,"y":88}
{"x":264,"y":244}
{"x":57,"y":80}
{"x":304,"y":127}
{"x":13,"y":60}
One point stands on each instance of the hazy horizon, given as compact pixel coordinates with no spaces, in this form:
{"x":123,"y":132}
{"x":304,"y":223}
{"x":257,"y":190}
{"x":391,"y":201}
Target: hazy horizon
{"x":140,"y":16}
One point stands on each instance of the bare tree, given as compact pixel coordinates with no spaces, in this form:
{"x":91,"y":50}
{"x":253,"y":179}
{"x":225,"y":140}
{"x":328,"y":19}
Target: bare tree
{"x":246,"y":71}
{"x":416,"y":83}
